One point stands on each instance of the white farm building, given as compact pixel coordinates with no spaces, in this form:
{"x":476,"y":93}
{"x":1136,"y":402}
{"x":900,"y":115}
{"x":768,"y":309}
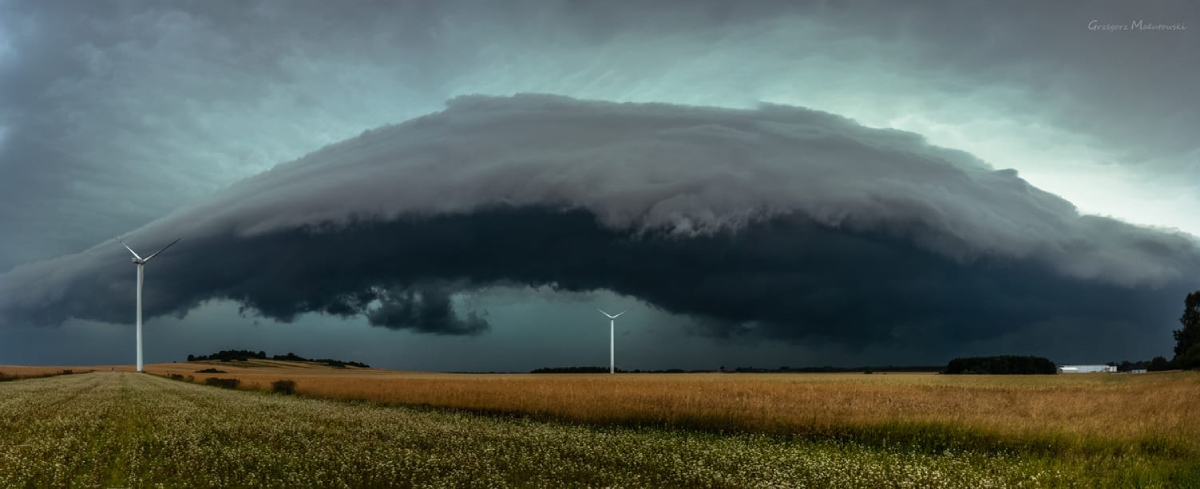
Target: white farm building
{"x":1084,"y":369}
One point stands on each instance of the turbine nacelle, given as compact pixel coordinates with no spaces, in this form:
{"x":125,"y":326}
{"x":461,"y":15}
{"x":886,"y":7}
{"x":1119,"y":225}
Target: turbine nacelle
{"x":137,"y":259}
{"x":610,"y":316}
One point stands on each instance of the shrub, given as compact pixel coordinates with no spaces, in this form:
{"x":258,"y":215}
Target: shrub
{"x":223,"y":383}
{"x":210,"y":371}
{"x":176,"y":376}
{"x":284,"y":386}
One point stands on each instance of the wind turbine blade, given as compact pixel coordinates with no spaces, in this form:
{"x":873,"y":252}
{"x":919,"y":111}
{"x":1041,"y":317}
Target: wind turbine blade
{"x":610,"y":316}
{"x":135,"y":255}
{"x":620,"y":313}
{"x":164,"y":248}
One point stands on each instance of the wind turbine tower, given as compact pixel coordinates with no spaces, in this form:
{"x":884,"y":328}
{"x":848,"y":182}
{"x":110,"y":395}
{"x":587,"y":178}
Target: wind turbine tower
{"x":611,"y":339}
{"x":141,"y":264}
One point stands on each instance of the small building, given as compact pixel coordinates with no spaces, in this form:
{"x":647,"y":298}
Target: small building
{"x":1085,"y":369}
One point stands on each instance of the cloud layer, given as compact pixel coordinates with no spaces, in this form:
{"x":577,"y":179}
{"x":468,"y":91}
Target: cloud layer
{"x":113,"y":114}
{"x":777,"y":221}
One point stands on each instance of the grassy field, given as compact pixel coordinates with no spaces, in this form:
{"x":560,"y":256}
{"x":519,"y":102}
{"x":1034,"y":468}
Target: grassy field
{"x":124,"y":429}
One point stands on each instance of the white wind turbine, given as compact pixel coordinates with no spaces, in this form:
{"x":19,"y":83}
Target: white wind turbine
{"x":611,"y":339}
{"x":141,"y":264}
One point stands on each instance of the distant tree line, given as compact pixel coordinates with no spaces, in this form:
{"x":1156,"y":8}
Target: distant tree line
{"x":604,"y":370}
{"x":243,"y":355}
{"x":1128,"y":366}
{"x":832,"y":369}
{"x":1187,"y":352}
{"x":229,"y":356}
{"x":1157,"y":364}
{"x":825,"y":369}
{"x":572,"y":370}
{"x":1001,"y":365}
{"x":1187,"y":342}
{"x":292,"y":357}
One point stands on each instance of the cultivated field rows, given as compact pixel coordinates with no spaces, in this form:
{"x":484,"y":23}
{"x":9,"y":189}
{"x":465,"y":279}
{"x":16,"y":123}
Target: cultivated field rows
{"x":134,"y":430}
{"x":1130,"y":409}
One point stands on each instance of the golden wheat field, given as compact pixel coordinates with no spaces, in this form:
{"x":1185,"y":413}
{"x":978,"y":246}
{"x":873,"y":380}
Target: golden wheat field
{"x":880,"y":430}
{"x":1128,"y":408}
{"x":127,"y":430}
{"x":27,"y":372}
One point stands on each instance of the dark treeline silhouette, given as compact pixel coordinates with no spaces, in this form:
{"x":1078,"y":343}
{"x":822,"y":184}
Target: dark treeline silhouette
{"x":825,"y":369}
{"x":604,"y":370}
{"x":1002,"y":365}
{"x":572,"y":370}
{"x":292,"y":357}
{"x":243,"y":355}
{"x":829,"y":369}
{"x":229,"y":356}
{"x":1187,"y":338}
{"x":1148,"y":365}
{"x":1187,"y":343}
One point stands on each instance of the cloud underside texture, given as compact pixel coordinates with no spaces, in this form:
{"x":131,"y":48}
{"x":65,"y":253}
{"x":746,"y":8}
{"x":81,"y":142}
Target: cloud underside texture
{"x":777,"y":222}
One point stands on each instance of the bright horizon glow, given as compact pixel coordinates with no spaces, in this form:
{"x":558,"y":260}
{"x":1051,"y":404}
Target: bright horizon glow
{"x":1050,"y":159}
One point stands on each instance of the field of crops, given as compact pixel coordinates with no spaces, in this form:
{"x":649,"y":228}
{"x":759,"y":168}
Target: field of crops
{"x":9,"y":372}
{"x":126,"y":430}
{"x":1090,"y":413}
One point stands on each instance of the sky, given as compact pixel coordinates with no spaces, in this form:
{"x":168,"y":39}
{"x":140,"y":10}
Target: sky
{"x":457,"y":186}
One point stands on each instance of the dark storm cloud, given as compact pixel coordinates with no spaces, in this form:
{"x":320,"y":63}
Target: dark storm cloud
{"x":145,"y":107}
{"x":113,"y":113}
{"x":780,"y":222}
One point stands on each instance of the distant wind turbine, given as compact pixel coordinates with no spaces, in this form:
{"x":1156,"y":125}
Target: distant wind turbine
{"x":611,"y":339}
{"x":141,"y":264}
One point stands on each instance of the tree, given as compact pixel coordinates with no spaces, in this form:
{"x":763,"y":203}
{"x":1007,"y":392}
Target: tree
{"x":1001,"y":365}
{"x":1158,"y":364}
{"x":1187,"y":339}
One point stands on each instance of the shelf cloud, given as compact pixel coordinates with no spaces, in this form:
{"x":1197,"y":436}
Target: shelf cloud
{"x":774,"y":222}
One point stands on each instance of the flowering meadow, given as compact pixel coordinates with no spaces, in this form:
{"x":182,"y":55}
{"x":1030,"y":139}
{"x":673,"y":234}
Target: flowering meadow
{"x":114,"y":429}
